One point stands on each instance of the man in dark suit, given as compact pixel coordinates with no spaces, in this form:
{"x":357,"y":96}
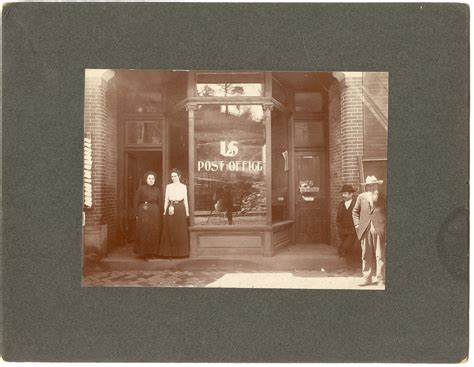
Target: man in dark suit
{"x":345,"y":224}
{"x":369,"y":215}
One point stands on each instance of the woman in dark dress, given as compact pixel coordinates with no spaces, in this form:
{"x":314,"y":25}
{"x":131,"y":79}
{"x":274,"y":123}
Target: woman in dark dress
{"x":175,"y":238}
{"x":148,"y":206}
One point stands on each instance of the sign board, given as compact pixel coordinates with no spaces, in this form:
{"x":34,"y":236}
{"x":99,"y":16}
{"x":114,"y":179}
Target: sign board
{"x":88,"y":172}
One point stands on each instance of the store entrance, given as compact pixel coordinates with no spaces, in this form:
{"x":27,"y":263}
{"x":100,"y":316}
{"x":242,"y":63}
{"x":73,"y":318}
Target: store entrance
{"x":311,"y":212}
{"x":139,"y":162}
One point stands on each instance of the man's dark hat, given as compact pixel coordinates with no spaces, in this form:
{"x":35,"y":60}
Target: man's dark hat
{"x":347,"y":188}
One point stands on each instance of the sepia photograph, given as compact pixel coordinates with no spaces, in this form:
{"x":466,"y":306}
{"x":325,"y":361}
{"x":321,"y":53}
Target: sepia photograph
{"x":235,"y":179}
{"x":218,"y":182}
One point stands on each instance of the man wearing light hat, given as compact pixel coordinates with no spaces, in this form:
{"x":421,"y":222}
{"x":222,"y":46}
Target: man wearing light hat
{"x":369,"y":215}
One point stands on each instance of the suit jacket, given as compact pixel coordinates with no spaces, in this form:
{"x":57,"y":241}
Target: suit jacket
{"x":363,"y":213}
{"x":345,"y":224}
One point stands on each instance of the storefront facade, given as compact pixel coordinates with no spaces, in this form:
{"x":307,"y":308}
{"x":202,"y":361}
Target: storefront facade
{"x":263,"y":153}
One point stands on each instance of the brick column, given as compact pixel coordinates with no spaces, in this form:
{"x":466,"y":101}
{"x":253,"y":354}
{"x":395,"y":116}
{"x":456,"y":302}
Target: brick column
{"x":335,"y":157}
{"x":352,"y":127}
{"x":100,"y":121}
{"x":345,"y":139}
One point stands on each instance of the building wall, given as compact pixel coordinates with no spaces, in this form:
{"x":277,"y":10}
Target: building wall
{"x":375,"y":136}
{"x":376,"y":84}
{"x":101,"y":122}
{"x":351,"y":128}
{"x":375,"y":111}
{"x":110,"y":190}
{"x":351,"y":132}
{"x":335,"y":158}
{"x":354,"y":131}
{"x":345,"y":140}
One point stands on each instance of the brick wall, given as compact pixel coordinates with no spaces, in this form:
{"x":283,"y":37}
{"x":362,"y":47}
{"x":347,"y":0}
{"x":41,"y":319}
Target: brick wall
{"x":346,"y":135}
{"x":95,"y":124}
{"x":335,"y":158}
{"x":352,"y":129}
{"x":100,"y":120}
{"x":110,"y":190}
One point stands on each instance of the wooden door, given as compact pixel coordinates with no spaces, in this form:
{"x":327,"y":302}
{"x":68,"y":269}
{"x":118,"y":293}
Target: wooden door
{"x":132,"y":183}
{"x":311,"y":197}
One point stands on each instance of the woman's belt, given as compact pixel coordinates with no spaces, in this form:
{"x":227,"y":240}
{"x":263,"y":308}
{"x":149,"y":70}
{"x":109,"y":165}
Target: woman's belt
{"x":176,"y":201}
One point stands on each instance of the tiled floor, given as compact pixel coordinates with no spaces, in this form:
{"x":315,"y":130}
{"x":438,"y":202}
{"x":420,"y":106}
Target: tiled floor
{"x":300,"y":266}
{"x":160,"y":278}
{"x":227,"y":279}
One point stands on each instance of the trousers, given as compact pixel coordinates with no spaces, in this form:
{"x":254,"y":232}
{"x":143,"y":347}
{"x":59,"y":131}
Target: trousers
{"x":373,"y":255}
{"x":348,"y":243}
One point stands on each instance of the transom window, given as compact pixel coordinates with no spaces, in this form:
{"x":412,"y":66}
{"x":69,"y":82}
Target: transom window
{"x":229,"y":85}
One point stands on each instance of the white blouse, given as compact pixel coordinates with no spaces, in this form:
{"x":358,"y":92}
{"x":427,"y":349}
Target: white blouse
{"x":177,"y":192}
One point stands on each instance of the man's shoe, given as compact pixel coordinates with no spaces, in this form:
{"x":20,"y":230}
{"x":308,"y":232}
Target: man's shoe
{"x":365,"y":283}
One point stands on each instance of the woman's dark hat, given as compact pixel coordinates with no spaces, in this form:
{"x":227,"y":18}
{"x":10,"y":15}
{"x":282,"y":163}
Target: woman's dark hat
{"x":347,"y":188}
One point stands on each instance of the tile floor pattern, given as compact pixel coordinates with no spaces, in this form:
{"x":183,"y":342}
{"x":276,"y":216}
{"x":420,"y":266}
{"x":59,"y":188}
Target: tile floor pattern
{"x":182,"y":278}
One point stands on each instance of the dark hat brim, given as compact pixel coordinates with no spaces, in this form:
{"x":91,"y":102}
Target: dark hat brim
{"x":349,"y":190}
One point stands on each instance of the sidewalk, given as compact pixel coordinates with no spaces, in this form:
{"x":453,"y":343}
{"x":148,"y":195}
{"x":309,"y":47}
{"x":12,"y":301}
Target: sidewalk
{"x":296,"y":257}
{"x":298,"y":267}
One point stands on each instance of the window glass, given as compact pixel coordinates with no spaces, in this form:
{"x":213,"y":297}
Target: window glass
{"x":280,"y":166}
{"x":229,"y":85}
{"x":230,"y":165}
{"x":144,"y":132}
{"x":309,"y":133}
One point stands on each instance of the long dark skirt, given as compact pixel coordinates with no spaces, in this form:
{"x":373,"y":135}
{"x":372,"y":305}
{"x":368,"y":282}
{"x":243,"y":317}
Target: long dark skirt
{"x":148,"y":232}
{"x":174,"y":237}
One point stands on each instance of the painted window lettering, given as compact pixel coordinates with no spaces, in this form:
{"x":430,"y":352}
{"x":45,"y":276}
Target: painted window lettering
{"x":230,"y":150}
{"x":214,"y":166}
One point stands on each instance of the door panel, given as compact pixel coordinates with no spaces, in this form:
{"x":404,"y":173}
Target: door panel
{"x":132,"y":185}
{"x":311,"y":198}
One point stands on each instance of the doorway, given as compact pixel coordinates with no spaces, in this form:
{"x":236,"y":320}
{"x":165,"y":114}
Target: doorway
{"x":311,"y":202}
{"x":139,"y":162}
